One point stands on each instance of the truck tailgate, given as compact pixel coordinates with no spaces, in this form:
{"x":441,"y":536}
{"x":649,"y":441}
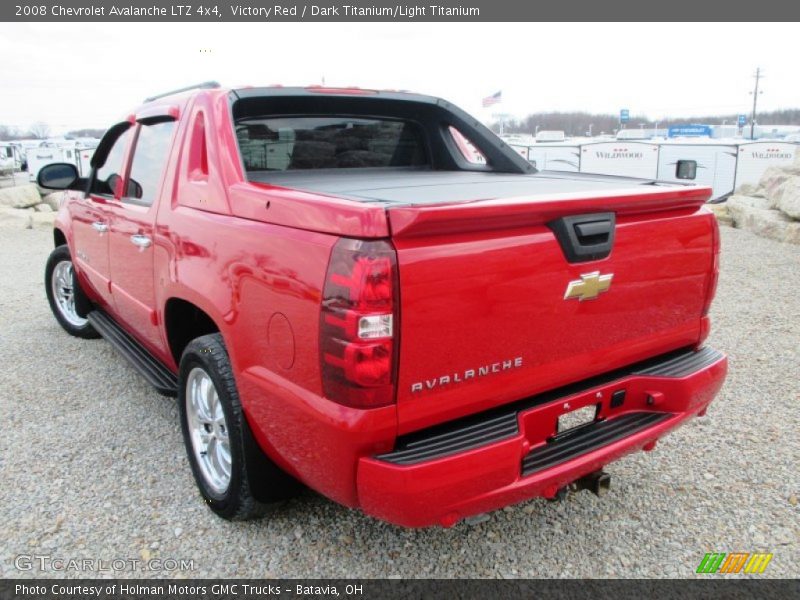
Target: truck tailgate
{"x":484,"y":313}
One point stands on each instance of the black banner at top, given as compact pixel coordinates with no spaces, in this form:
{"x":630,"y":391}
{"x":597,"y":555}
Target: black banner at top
{"x":405,"y":10}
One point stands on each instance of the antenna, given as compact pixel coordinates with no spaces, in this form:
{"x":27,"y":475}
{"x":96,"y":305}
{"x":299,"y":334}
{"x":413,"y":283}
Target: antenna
{"x":206,"y":85}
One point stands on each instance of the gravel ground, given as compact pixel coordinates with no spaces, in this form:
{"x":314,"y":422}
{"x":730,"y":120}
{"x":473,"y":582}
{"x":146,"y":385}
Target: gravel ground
{"x":93,"y":463}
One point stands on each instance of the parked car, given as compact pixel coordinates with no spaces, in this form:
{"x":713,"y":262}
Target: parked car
{"x":370,"y":294}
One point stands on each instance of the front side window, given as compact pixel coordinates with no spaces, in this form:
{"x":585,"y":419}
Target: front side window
{"x":328,"y":142}
{"x":108,"y":176}
{"x":149,"y":160}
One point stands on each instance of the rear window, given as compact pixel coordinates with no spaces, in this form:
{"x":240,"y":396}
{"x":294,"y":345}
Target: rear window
{"x":329,"y":142}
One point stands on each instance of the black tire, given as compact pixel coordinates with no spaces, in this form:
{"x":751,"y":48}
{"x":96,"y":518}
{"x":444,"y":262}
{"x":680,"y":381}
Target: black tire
{"x":256,"y":486}
{"x":74,"y":324}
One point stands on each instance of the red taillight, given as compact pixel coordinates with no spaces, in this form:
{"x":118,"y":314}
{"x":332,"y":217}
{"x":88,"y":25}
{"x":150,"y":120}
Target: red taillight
{"x":711,"y":285}
{"x":358,"y":323}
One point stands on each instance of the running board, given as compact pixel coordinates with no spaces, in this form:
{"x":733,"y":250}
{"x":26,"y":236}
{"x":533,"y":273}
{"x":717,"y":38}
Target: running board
{"x":159,"y":376}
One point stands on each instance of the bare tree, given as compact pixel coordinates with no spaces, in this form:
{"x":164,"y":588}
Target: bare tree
{"x":40,"y":130}
{"x":7,"y":132}
{"x":577,"y":123}
{"x":95,"y":133}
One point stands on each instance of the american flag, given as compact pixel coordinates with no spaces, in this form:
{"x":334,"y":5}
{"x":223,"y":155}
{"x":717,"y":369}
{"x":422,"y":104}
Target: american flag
{"x":493,"y":99}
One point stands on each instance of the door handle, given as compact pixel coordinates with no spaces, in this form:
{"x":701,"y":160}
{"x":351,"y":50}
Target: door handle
{"x":141,"y":240}
{"x":100,"y":227}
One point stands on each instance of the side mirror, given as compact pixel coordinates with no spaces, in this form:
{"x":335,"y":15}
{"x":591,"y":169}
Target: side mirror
{"x":57,"y":176}
{"x":134,"y":189}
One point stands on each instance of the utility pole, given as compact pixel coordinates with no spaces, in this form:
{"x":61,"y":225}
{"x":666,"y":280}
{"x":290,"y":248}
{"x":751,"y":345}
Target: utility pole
{"x":755,"y":93}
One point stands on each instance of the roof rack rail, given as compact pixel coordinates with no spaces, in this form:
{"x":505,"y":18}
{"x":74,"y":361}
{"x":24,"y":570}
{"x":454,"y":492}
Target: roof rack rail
{"x":206,"y":85}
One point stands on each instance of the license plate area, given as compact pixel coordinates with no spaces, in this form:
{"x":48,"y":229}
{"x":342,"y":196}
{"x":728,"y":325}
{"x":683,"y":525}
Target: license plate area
{"x":576,"y":419}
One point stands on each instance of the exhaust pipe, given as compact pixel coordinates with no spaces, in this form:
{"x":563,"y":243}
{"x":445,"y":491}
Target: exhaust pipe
{"x":599,"y":483}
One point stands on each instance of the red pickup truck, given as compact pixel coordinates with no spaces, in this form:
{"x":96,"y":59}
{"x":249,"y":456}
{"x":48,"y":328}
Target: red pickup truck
{"x":370,"y":294}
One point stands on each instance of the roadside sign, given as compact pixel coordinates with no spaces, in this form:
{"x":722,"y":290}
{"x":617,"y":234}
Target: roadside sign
{"x":742,"y":120}
{"x":624,"y":115}
{"x":689,"y":131}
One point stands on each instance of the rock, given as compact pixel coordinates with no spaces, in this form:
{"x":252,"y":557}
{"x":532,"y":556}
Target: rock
{"x":42,"y":220}
{"x":787,"y":198}
{"x":53,"y":199}
{"x":43,"y":207}
{"x":748,"y":189}
{"x":754,"y":202}
{"x":21,"y":196}
{"x":722,"y":213}
{"x":774,"y":177}
{"x":756,"y":215}
{"x":793,"y":500}
{"x":13,"y":217}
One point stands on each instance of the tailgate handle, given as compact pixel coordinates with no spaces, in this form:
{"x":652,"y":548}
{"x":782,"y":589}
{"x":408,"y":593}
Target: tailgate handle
{"x":585,"y":237}
{"x":593,"y":232}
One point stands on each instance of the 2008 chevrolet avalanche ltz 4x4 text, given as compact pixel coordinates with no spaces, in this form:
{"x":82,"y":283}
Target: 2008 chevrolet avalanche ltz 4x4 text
{"x":371,"y":294}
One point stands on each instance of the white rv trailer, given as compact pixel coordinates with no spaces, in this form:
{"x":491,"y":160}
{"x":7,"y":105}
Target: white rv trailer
{"x":521,"y":149}
{"x":8,"y":158}
{"x":701,"y":161}
{"x":556,"y":156}
{"x":641,"y":134}
{"x":550,"y":136}
{"x":628,"y":159}
{"x":756,"y":157}
{"x":84,"y":150}
{"x":67,"y":151}
{"x":44,"y":154}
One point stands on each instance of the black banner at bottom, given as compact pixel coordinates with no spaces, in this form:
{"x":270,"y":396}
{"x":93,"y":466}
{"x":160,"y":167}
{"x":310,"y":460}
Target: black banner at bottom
{"x":253,"y":589}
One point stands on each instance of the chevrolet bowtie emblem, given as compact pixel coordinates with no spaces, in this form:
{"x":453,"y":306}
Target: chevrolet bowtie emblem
{"x":588,"y":286}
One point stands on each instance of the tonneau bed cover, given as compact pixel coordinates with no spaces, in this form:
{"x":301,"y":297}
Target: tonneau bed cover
{"x":411,"y":186}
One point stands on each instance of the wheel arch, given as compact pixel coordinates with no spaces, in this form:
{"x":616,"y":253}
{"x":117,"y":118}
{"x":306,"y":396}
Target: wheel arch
{"x":183,"y":322}
{"x":59,"y":237}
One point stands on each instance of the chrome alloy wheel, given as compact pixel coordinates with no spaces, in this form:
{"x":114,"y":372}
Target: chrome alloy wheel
{"x":61,"y":282}
{"x":208,"y":430}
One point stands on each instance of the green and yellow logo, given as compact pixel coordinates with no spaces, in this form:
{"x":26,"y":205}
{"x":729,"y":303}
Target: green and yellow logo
{"x":736,"y":562}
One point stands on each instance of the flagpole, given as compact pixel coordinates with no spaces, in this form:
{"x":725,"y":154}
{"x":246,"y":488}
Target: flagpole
{"x":490,"y":101}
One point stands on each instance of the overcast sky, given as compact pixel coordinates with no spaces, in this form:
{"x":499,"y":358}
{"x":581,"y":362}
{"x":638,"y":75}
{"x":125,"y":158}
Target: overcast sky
{"x":87,"y":75}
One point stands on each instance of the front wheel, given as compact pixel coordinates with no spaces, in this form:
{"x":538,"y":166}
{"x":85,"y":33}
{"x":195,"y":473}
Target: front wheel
{"x":236,"y":479}
{"x":67,"y":300}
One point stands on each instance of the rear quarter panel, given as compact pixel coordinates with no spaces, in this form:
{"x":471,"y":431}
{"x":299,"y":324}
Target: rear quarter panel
{"x":261,"y":283}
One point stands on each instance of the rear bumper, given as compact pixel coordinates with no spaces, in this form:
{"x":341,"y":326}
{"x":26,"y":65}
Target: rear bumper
{"x":510,"y":454}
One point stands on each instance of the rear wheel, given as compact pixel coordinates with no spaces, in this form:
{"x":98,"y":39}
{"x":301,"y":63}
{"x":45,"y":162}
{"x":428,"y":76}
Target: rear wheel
{"x":67,"y":300}
{"x":235,"y":478}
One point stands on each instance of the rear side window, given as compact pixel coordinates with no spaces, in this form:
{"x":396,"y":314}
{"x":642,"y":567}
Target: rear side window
{"x":466,"y":148}
{"x":329,"y":142}
{"x":149,"y":159}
